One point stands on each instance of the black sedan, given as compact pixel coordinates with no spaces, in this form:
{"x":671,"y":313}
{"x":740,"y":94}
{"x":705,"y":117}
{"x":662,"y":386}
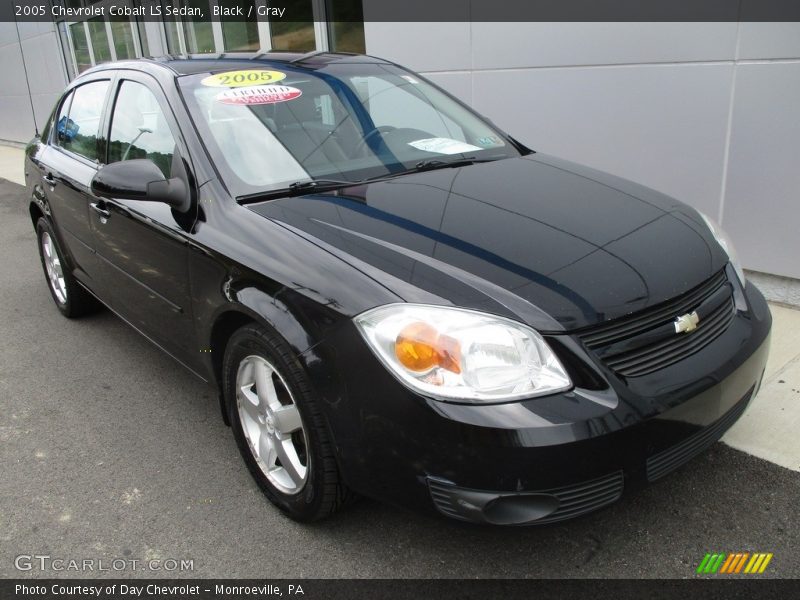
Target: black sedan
{"x":391,"y":296}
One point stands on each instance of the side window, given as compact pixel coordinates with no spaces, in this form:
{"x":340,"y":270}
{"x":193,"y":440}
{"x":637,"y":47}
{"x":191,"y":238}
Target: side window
{"x":45,"y":135}
{"x":62,"y":122}
{"x":78,"y":129}
{"x":139,"y":128}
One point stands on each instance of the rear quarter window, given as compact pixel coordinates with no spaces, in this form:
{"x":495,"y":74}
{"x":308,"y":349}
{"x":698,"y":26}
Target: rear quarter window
{"x":78,"y":126}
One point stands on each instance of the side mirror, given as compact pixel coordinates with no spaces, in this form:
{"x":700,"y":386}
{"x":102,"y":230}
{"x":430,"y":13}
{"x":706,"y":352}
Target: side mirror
{"x":141,"y":179}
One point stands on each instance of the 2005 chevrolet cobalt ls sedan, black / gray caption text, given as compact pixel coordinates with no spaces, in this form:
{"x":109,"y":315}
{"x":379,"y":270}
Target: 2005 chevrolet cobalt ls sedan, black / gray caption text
{"x":393,"y":297}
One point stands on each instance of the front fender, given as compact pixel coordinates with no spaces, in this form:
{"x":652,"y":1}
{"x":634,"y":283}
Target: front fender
{"x":227,"y":296}
{"x":244,"y":302}
{"x":245,"y":268}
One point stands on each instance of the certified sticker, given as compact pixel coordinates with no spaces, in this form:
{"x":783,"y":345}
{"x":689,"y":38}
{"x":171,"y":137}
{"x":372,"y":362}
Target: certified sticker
{"x":243,"y":78}
{"x":258,"y":94}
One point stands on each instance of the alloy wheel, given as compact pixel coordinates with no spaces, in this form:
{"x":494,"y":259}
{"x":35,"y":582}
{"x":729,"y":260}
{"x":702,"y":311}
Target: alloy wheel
{"x":272,"y":424}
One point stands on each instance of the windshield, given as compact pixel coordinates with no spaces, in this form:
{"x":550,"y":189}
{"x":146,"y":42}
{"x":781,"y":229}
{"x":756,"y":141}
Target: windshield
{"x":273,"y":126}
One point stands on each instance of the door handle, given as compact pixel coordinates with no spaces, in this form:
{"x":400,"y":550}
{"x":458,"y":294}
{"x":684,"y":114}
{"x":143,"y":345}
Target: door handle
{"x":49,"y":179}
{"x":104,"y":214}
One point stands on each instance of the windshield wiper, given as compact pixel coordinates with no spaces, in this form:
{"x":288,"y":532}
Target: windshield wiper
{"x":431,"y":164}
{"x":437,"y":163}
{"x":298,"y":187}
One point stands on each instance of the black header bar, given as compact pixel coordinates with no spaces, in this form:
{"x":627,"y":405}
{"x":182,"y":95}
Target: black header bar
{"x":423,"y":10}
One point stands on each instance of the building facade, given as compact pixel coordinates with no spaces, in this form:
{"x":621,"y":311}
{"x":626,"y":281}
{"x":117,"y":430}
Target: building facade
{"x":706,"y":112}
{"x":37,"y":59}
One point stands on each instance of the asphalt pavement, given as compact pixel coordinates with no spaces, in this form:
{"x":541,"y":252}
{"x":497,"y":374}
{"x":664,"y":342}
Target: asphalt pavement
{"x":111,"y":450}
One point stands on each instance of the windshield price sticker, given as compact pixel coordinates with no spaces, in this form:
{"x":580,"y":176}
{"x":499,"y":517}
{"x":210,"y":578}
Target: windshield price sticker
{"x":443,"y":146}
{"x":259,"y":94}
{"x":243,"y":78}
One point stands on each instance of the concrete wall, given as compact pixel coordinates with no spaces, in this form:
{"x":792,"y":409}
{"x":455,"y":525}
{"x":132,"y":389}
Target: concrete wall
{"x":706,"y":112}
{"x":46,"y":76}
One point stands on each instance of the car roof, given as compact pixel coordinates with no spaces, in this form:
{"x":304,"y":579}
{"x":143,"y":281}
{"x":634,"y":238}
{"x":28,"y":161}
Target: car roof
{"x":190,"y":64}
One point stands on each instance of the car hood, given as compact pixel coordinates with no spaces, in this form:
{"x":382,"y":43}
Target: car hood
{"x":555,"y":244}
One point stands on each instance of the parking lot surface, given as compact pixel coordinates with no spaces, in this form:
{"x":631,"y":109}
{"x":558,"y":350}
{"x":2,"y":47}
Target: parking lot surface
{"x":109,"y":449}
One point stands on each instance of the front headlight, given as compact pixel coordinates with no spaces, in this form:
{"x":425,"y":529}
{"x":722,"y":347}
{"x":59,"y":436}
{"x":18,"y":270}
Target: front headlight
{"x":462,"y":355}
{"x":727,"y":244}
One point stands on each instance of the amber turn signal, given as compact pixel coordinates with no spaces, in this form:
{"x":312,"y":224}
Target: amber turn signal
{"x":419,"y":348}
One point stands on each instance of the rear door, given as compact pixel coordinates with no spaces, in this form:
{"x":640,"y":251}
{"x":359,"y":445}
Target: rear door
{"x":143,"y":249}
{"x":67,"y":166}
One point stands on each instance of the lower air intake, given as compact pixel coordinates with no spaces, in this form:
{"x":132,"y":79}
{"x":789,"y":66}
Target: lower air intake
{"x":525,"y":508}
{"x":664,"y":462}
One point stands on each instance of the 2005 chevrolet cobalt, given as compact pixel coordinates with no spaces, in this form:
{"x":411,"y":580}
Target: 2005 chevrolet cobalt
{"x":393,"y":297}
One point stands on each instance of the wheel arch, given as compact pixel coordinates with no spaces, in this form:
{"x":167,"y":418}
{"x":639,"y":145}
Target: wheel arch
{"x":36,"y":212}
{"x":252,"y":305}
{"x":221,"y":331}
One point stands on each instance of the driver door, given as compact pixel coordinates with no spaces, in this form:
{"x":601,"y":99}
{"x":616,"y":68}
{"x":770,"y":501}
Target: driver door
{"x":142,"y":248}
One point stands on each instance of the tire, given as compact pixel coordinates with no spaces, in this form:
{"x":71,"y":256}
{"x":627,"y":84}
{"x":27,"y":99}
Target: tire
{"x":70,"y":297}
{"x":287,"y":450}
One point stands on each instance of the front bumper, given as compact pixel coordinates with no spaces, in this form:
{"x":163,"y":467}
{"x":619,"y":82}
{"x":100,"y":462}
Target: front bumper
{"x":544,"y":459}
{"x":567,"y":502}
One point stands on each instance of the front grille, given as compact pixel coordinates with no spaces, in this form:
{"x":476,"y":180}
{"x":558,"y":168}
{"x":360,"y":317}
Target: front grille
{"x":646,"y":341}
{"x":573,"y":500}
{"x":664,"y":462}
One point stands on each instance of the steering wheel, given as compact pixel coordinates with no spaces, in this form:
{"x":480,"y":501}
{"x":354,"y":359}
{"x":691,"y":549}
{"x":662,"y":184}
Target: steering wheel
{"x":365,"y":140}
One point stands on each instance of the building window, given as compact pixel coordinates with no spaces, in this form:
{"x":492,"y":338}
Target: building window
{"x":173,"y":37}
{"x":199,"y":34}
{"x":239,"y":35}
{"x":141,"y":30}
{"x":346,"y":18}
{"x":98,"y":35}
{"x":80,"y":47}
{"x":122,"y":34}
{"x":297,"y":36}
{"x":66,"y":49}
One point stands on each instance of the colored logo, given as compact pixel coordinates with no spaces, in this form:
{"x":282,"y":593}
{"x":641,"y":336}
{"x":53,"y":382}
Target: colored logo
{"x":736,"y":562}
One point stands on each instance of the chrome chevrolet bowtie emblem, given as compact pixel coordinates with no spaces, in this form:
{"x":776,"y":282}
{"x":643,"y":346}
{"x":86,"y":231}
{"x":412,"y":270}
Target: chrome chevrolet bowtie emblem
{"x":686,"y":323}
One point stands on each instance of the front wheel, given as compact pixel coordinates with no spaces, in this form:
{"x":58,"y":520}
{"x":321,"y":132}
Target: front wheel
{"x":278,"y":426}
